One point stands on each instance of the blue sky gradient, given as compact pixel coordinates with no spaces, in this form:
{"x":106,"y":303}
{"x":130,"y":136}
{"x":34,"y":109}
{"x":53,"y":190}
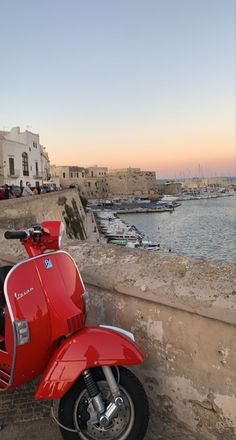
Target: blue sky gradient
{"x":123,"y":83}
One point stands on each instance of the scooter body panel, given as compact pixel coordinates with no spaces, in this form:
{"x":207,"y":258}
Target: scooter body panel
{"x":46,"y":291}
{"x":90,"y":347}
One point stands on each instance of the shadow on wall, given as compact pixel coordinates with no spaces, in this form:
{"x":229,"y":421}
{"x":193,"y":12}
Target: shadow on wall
{"x":73,"y":219}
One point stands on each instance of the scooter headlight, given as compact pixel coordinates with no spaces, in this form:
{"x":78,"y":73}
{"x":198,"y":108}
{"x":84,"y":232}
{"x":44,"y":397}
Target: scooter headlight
{"x":55,"y":233}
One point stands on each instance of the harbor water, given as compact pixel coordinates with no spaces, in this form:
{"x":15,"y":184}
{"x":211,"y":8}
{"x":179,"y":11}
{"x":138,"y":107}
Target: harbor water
{"x":198,"y":228}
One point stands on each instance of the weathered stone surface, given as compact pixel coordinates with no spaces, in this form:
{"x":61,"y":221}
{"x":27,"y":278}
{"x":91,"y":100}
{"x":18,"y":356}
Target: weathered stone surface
{"x":23,"y":212}
{"x":183,"y":314}
{"x":201,"y":287}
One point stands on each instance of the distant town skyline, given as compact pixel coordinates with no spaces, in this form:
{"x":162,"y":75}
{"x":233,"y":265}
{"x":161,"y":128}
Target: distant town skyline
{"x":134,"y":83}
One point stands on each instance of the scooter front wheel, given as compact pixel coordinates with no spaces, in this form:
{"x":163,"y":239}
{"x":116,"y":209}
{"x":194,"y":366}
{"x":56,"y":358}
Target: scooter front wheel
{"x":129,"y":424}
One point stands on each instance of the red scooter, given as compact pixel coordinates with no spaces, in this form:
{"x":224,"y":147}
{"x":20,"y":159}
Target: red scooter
{"x":43,"y":306}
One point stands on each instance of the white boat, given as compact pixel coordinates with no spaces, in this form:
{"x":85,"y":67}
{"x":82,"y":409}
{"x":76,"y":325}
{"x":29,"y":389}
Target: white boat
{"x":144,"y":245}
{"x":148,"y":245}
{"x":168,"y":199}
{"x":118,"y":232}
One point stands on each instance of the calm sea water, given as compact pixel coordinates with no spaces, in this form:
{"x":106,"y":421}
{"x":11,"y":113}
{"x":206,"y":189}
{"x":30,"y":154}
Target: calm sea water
{"x":197,"y":228}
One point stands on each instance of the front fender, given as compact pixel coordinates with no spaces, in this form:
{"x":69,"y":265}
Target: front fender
{"x":90,"y":347}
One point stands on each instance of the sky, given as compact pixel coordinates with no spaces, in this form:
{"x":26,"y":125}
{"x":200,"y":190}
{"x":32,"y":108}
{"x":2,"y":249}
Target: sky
{"x":123,"y":83}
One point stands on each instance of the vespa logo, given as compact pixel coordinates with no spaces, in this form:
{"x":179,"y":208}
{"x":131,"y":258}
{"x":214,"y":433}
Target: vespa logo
{"x":48,"y":263}
{"x":22,"y":294}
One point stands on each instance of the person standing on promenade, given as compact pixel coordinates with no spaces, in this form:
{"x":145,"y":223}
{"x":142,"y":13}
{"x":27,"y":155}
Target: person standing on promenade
{"x":6,"y":192}
{"x":35,"y":191}
{"x":27,"y":191}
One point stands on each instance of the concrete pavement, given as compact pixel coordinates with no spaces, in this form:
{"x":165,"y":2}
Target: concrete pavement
{"x":160,"y":428}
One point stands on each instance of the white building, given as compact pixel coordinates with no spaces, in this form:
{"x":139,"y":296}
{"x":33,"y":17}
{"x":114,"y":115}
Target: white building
{"x":22,"y":158}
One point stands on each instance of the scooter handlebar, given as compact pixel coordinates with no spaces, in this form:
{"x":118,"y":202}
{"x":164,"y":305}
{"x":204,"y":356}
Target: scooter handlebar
{"x":22,"y":235}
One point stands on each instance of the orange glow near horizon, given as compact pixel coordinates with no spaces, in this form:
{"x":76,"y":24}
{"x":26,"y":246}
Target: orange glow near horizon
{"x":169,"y":156}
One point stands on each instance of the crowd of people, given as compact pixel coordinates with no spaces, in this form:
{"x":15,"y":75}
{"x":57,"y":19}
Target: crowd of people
{"x":11,"y":192}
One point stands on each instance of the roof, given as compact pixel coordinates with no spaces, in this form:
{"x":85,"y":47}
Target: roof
{"x":76,"y":169}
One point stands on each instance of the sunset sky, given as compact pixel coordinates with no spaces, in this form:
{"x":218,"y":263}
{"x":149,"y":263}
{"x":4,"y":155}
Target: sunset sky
{"x":118,"y":83}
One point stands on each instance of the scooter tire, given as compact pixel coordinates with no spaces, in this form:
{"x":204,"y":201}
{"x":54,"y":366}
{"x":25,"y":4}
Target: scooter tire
{"x":130,"y":386}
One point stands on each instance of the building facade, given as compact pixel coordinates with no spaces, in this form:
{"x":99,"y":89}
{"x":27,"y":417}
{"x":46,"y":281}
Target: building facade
{"x":198,"y":183}
{"x":91,"y":182}
{"x":171,"y":188}
{"x":22,"y":158}
{"x":131,"y":181}
{"x":97,"y":172}
{"x":96,"y":182}
{"x":68,"y":175}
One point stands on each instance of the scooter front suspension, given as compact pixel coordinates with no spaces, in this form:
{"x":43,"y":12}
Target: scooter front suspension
{"x":104,"y":415}
{"x":94,"y":392}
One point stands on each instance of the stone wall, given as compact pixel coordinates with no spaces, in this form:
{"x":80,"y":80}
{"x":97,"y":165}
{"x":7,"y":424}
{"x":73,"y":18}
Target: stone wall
{"x":23,"y":212}
{"x":182,"y":311}
{"x":183,"y":314}
{"x":132,"y":182}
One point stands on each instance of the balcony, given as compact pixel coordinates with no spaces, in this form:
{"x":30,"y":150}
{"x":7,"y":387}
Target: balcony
{"x":13,"y":174}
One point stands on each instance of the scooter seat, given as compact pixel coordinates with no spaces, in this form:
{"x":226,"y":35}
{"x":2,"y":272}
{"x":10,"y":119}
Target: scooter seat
{"x":3,"y":274}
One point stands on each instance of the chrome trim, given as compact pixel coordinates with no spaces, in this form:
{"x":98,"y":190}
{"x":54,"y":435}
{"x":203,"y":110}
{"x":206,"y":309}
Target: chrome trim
{"x":4,"y":372}
{"x":6,"y":383}
{"x":114,"y":388}
{"x":120,"y":330}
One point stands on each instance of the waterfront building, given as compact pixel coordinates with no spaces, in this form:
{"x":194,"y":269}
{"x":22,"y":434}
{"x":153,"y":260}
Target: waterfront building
{"x":197,"y":183}
{"x":94,"y":188}
{"x":97,"y":182}
{"x":131,"y":182}
{"x":96,"y":171}
{"x":172,"y":188}
{"x":124,"y":170}
{"x":22,"y":158}
{"x":94,"y":185}
{"x":68,"y":175}
{"x":91,"y":181}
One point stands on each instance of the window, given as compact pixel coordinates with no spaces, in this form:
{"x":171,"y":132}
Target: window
{"x":77,"y":174}
{"x":25,"y":164}
{"x":64,"y":175}
{"x":35,"y":144}
{"x":11,"y":166}
{"x":71,"y":175}
{"x":36,"y":169}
